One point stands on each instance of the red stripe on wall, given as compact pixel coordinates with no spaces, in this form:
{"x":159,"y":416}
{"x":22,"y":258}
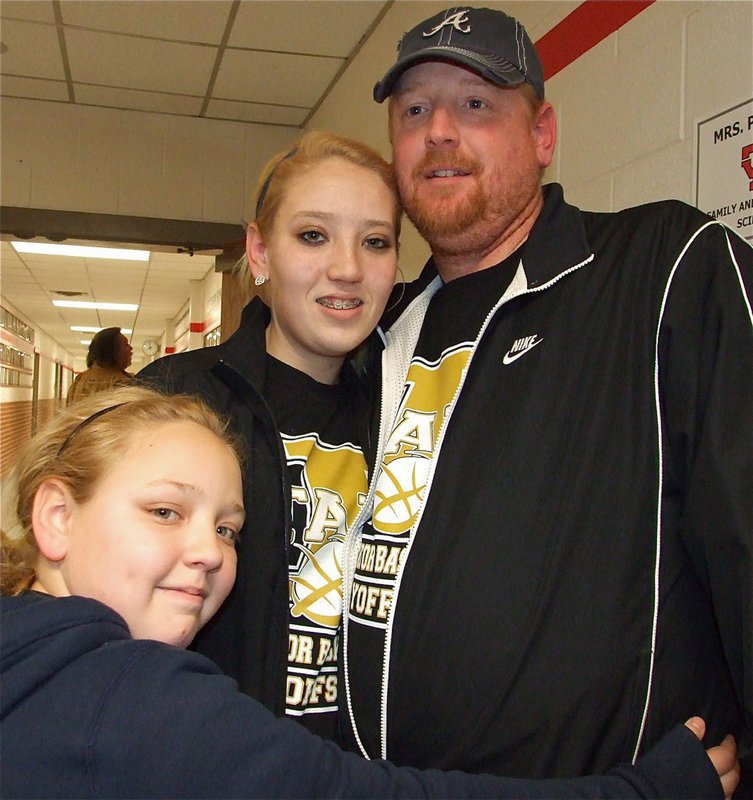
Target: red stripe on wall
{"x":196,"y":327}
{"x":590,"y":23}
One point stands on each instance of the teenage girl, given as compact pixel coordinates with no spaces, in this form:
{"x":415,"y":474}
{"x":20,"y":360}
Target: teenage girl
{"x":322,"y":251}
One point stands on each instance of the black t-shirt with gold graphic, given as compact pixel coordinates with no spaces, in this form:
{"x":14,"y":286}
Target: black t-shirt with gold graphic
{"x":327,"y":473}
{"x":452,"y":323}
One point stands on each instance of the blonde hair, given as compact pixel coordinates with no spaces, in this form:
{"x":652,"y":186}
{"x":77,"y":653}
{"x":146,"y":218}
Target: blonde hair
{"x":81,"y":444}
{"x":306,"y":152}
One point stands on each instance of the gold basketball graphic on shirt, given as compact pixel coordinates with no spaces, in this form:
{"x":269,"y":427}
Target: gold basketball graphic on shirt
{"x":316,"y":588}
{"x":399,"y":493}
{"x":407,"y":458}
{"x":321,"y":519}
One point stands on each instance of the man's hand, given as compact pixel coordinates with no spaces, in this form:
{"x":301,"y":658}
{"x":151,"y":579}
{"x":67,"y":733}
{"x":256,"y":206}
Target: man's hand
{"x":723,"y":757}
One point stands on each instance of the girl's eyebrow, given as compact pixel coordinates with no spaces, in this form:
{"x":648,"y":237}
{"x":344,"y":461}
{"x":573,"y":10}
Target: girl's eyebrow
{"x":239,"y":510}
{"x":180,"y":485}
{"x":232,"y":508}
{"x":324,"y":215}
{"x":313,"y":213}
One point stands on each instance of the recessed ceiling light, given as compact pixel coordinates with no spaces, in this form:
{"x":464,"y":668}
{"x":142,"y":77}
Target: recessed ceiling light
{"x":95,"y":329}
{"x":81,"y":251}
{"x":96,"y":306}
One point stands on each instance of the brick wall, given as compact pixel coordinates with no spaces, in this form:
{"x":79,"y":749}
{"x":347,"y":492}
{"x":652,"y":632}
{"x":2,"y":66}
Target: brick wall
{"x":15,"y":431}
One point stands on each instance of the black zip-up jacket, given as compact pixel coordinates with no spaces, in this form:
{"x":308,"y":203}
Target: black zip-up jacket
{"x":580,"y":574}
{"x":88,"y":712}
{"x":248,"y":638}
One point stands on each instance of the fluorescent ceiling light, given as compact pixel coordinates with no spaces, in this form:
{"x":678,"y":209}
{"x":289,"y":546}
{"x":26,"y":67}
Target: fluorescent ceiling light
{"x":79,"y":251}
{"x":95,"y":329}
{"x":85,"y":341}
{"x":96,"y":306}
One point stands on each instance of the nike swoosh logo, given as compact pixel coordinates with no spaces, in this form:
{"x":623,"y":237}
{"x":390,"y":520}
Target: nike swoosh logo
{"x":510,"y":357}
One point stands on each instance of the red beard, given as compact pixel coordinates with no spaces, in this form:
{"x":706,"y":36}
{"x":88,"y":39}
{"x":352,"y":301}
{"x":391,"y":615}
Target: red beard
{"x":437,"y":211}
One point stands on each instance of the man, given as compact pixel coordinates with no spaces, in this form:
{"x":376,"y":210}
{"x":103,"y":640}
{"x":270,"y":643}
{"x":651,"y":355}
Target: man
{"x":107,"y":360}
{"x":555,"y":560}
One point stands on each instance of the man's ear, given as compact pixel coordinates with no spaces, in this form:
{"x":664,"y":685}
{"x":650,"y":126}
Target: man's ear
{"x":256,"y":252}
{"x":545,"y":133}
{"x":51,"y":518}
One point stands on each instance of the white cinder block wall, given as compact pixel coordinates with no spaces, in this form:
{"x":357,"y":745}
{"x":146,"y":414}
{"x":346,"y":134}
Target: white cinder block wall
{"x":78,"y":158}
{"x":629,"y":108}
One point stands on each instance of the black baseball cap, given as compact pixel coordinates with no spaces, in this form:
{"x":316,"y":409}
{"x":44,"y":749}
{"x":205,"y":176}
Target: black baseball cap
{"x":484,"y":40}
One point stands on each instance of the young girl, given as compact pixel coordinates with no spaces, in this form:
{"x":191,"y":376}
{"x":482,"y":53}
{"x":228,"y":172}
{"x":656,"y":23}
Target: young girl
{"x":129,"y":508}
{"x":323,"y":245}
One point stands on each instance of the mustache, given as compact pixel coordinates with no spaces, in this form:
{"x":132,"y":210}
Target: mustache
{"x":434,"y":160}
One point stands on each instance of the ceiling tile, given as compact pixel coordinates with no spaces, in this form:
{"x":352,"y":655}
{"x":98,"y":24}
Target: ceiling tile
{"x":36,"y":89}
{"x":133,"y":63}
{"x":257,"y":112}
{"x":27,"y":9}
{"x":301,"y":26}
{"x":191,"y":21}
{"x":138,"y":100}
{"x":274,"y":78}
{"x":33,"y":51}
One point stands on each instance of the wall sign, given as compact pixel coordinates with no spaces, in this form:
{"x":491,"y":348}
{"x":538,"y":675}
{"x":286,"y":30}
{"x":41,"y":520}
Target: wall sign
{"x":724,"y":167}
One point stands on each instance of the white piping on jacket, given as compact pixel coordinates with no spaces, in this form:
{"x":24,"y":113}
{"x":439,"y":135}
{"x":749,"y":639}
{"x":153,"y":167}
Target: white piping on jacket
{"x":660,"y":441}
{"x":739,"y":274}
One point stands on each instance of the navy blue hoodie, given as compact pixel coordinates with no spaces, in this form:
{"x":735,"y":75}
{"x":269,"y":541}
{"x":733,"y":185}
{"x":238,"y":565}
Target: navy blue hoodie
{"x":87,"y":711}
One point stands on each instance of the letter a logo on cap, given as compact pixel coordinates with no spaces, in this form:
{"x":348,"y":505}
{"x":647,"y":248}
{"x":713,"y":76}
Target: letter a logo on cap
{"x":455,"y":20}
{"x":490,"y":43}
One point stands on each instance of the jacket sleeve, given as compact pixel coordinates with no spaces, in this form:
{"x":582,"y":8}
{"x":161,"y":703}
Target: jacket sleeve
{"x":174,"y":727}
{"x":706,"y":386}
